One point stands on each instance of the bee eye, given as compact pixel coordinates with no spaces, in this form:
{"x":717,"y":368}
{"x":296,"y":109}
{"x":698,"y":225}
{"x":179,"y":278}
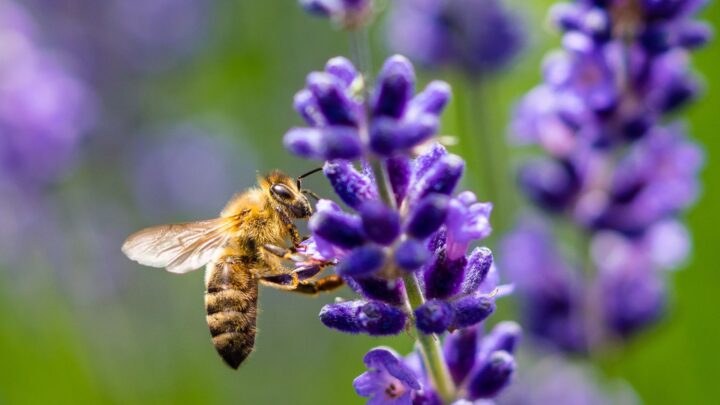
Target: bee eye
{"x":282,"y":191}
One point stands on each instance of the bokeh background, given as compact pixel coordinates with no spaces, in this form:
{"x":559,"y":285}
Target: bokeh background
{"x":182,"y":102}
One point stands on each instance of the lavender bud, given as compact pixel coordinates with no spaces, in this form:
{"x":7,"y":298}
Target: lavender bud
{"x":376,"y":288}
{"x":396,"y":83}
{"x":306,"y":104}
{"x":305,"y":142}
{"x":504,"y":336}
{"x":388,"y":136}
{"x":478,"y":266}
{"x":380,"y":223}
{"x":678,"y":93}
{"x":362,"y":261}
{"x":471,"y":310}
{"x":342,"y":316}
{"x":492,"y":376}
{"x":444,"y":276}
{"x":411,"y":254}
{"x":380,"y":319}
{"x":433,"y":316}
{"x":549,"y":183}
{"x":343,"y":69}
{"x":432,"y":100}
{"x":427,"y":160}
{"x":350,"y":185}
{"x":318,"y":7}
{"x":694,"y":35}
{"x":338,"y":228}
{"x":416,"y":131}
{"x":384,"y":138}
{"x":332,"y":100}
{"x":324,"y":144}
{"x":427,"y":216}
{"x":399,"y":172}
{"x":441,"y":178}
{"x":460,"y":349}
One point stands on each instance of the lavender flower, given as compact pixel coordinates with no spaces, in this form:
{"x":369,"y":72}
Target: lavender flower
{"x":382,"y":241}
{"x":479,"y":36}
{"x":341,"y":127}
{"x":349,"y":14}
{"x":553,"y":380}
{"x":404,"y":245}
{"x":481,"y":366}
{"x":45,"y":110}
{"x":615,"y":167}
{"x":117,"y":37}
{"x":378,"y":245}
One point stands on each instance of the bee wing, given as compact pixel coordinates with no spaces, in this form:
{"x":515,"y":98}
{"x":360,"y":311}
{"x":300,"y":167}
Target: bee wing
{"x":179,"y":248}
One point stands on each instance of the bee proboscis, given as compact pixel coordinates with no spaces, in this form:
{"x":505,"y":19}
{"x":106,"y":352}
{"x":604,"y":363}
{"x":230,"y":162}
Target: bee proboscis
{"x":240,"y":249}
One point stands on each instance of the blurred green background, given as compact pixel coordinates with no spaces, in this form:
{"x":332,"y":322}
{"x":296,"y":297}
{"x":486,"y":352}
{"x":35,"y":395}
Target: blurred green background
{"x":101,"y":329}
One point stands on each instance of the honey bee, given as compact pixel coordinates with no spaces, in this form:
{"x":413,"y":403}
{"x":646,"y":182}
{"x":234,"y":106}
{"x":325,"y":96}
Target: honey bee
{"x":241,"y":248}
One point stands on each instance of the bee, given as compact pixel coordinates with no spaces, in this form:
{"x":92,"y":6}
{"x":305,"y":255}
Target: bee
{"x":241,"y":249}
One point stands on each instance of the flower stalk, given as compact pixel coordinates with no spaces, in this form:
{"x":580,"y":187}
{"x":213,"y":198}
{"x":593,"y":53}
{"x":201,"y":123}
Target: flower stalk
{"x":432,"y":353}
{"x":430,"y":348}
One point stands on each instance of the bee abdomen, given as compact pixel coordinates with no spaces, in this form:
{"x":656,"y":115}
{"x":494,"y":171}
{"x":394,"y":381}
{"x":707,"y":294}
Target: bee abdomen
{"x":231,"y":305}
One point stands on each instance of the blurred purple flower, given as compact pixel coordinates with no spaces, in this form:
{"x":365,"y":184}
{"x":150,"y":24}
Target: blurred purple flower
{"x":552,"y":380}
{"x":479,"y":36}
{"x":349,"y":14}
{"x":45,"y":111}
{"x":550,"y":289}
{"x":566,"y":311}
{"x":615,"y":167}
{"x":116,"y":37}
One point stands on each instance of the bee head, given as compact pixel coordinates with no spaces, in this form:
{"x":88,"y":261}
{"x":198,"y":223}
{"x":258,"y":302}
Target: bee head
{"x":287,"y":193}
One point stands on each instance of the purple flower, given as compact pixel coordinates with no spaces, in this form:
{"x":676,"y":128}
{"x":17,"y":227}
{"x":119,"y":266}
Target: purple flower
{"x":553,"y":380}
{"x":430,"y":236}
{"x":45,"y":110}
{"x":550,"y":289}
{"x":479,"y":36}
{"x":481,"y":367}
{"x":614,"y":167}
{"x":342,"y":128}
{"x":389,"y":381}
{"x":115,"y":37}
{"x":422,"y":227}
{"x":349,"y":14}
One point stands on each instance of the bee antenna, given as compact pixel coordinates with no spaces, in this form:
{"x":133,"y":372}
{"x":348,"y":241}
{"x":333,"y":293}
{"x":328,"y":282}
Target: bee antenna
{"x":302,"y":176}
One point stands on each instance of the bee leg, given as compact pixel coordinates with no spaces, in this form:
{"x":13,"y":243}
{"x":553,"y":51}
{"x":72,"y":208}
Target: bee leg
{"x":294,"y":235}
{"x":324,"y":284}
{"x":281,"y":252}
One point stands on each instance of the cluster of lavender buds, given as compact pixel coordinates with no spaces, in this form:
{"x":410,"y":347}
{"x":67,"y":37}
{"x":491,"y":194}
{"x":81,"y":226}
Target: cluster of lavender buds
{"x":404,"y":248}
{"x":615,"y":167}
{"x":479,"y":36}
{"x":45,"y":111}
{"x":479,"y":365}
{"x":349,"y":14}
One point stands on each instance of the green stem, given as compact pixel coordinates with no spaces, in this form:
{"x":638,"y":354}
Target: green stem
{"x":430,"y":348}
{"x":360,"y":53}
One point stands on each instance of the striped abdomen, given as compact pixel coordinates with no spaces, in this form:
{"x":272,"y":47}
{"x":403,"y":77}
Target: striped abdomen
{"x":231,"y":294}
